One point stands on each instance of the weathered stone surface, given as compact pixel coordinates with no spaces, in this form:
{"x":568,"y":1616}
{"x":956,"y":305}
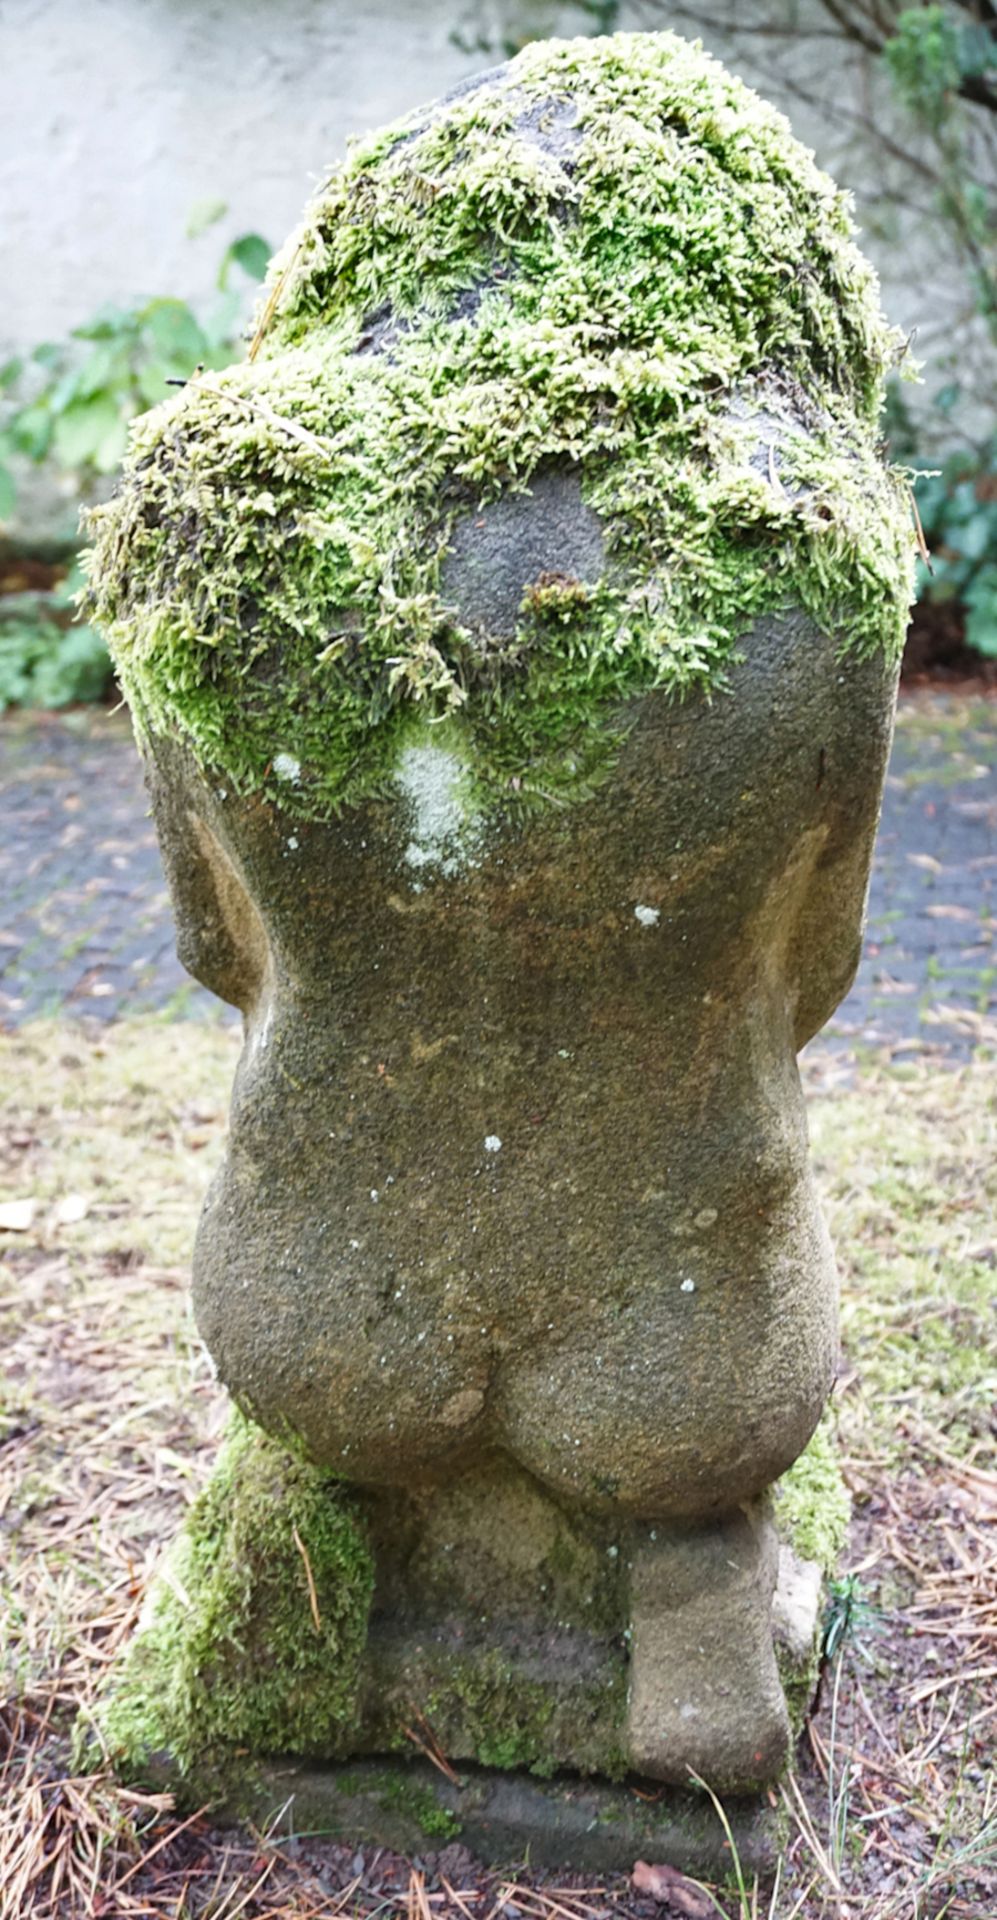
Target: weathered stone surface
{"x":518,"y":1116}
{"x":585,"y":1825}
{"x":516,"y":1234}
{"x":702,"y":1654}
{"x":796,"y":1604}
{"x":516,"y":1229}
{"x":511,"y":1633}
{"x":497,"y":551}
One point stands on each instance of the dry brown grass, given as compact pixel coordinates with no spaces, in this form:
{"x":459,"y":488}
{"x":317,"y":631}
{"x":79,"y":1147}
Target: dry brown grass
{"x":109,"y":1421}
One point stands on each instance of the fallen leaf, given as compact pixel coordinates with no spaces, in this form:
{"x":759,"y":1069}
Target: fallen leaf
{"x":16,"y":1216}
{"x":672,"y":1889}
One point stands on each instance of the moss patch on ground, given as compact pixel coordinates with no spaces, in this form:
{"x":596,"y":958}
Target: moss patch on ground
{"x":419,"y":1802}
{"x":659,"y":294}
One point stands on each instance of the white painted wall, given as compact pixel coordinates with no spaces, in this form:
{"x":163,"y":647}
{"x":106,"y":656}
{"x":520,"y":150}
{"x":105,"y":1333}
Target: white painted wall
{"x":118,"y":116}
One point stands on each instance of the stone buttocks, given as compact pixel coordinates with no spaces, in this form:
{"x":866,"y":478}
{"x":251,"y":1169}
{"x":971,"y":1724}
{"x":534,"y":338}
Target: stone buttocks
{"x":512,"y":641}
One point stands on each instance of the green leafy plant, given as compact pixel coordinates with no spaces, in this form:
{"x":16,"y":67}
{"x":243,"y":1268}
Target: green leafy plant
{"x":45,"y":660}
{"x":67,"y":405}
{"x":848,"y":1617}
{"x":942,"y":61}
{"x":957,"y":502}
{"x":958,"y":506}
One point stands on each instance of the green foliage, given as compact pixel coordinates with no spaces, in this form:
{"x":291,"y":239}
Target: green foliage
{"x":848,"y":1615}
{"x":270,"y":573}
{"x":251,"y":253}
{"x":941,"y":59}
{"x":957,"y":502}
{"x":69,"y":404}
{"x":935,"y":53}
{"x":44,"y":660}
{"x":958,"y":507}
{"x":67,"y":407}
{"x":923,"y":58}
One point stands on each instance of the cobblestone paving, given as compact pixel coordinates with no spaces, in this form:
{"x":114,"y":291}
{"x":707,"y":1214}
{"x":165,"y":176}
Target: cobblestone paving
{"x":85,"y":922}
{"x":928,"y":979}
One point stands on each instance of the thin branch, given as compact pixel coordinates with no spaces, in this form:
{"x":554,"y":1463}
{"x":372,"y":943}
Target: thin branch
{"x":848,"y":116}
{"x":852,"y":28}
{"x":758,"y":29}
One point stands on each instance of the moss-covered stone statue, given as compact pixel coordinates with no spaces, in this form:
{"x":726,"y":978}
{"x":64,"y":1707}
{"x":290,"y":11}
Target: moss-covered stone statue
{"x":511,"y":639}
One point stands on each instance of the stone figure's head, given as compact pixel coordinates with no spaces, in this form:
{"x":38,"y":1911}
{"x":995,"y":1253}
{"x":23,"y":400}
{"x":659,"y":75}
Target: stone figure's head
{"x":561,"y":384}
{"x":511,"y":636}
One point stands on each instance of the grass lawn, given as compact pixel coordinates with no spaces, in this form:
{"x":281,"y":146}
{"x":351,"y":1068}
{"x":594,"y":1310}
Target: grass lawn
{"x":109,"y":1421}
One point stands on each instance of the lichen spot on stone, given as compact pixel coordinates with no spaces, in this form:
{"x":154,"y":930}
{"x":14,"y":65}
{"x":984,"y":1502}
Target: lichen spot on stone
{"x":446,"y":834}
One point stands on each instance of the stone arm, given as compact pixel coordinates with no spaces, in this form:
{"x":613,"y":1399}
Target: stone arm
{"x":826,"y":940}
{"x":220,"y":936}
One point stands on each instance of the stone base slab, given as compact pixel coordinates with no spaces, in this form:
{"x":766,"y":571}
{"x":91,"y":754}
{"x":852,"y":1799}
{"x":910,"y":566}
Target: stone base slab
{"x":508,"y":1818}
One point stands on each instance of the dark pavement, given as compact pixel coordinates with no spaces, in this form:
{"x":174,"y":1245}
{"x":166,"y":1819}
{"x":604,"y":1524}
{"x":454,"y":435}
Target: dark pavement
{"x":85,"y":922}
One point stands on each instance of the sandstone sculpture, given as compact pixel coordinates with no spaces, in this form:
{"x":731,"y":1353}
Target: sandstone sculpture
{"x":512,"y":639}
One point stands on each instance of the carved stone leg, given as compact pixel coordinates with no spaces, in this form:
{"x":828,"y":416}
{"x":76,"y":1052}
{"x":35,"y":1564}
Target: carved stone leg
{"x":705,"y":1692}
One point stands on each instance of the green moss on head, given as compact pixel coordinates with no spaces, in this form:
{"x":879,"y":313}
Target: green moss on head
{"x":812,"y":1503}
{"x":612,"y":256}
{"x":230,"y":1657}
